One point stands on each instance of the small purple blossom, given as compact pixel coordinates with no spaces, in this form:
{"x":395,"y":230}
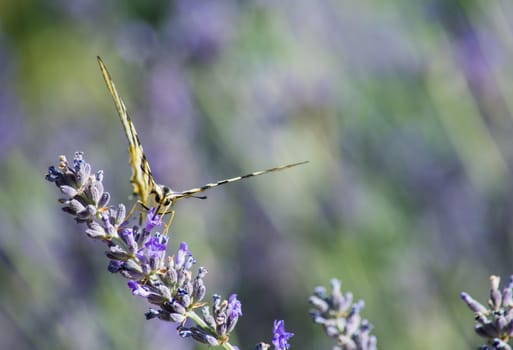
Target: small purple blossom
{"x":78,"y":160}
{"x":281,"y":337}
{"x":54,"y":175}
{"x":234,"y":306}
{"x":154,"y":251}
{"x":156,"y":244}
{"x":181,"y":254}
{"x":152,"y":220}
{"x":127,"y":235}
{"x":115,"y":266}
{"x":233,"y":311}
{"x":137,"y":289}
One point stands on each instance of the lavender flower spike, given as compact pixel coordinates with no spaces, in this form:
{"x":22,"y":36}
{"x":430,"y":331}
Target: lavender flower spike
{"x":341,"y":319}
{"x":494,"y":323}
{"x":84,"y":197}
{"x":138,"y":253}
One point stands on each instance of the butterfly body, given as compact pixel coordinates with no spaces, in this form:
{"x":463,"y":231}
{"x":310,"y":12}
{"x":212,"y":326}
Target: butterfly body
{"x":150,"y":193}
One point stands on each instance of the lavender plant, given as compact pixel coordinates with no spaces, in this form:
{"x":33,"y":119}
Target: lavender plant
{"x":495,"y":322}
{"x":341,"y":319}
{"x":139,"y":255}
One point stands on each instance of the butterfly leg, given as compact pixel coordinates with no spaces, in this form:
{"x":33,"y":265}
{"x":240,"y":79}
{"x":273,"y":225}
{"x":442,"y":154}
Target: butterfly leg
{"x":131,"y":211}
{"x":168,"y":224}
{"x":143,"y":210}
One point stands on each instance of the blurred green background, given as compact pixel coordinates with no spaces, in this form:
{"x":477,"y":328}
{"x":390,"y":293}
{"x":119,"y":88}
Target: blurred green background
{"x":403,"y":108}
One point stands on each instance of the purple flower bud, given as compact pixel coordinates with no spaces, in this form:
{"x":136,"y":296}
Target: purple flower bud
{"x":75,"y":207}
{"x":234,"y":306}
{"x":198,"y":335}
{"x":189,"y":261}
{"x":78,"y":159}
{"x":487,"y":330}
{"x":199,"y":290}
{"x":114,"y":266}
{"x":152,"y":313}
{"x":120,"y":214}
{"x":495,"y":294}
{"x":500,"y":323}
{"x":110,"y":230}
{"x":104,"y":200}
{"x":127,"y":235}
{"x":233,"y":311}
{"x":507,"y":298}
{"x":353,"y":319}
{"x":181,"y":255}
{"x":115,"y":252}
{"x":54,"y":175}
{"x":157,"y":299}
{"x":281,"y":337}
{"x":87,"y":214}
{"x":96,"y":189}
{"x":174,"y":306}
{"x":68,"y":191}
{"x":132,"y":270}
{"x":137,"y":289}
{"x":472,"y":304}
{"x":319,"y":303}
{"x":95,"y":230}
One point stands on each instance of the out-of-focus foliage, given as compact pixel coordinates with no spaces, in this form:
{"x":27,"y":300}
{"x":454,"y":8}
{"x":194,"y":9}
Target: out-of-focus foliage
{"x":404,"y":109}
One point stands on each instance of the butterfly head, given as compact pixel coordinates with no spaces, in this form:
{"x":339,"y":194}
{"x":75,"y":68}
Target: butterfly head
{"x":164,"y":197}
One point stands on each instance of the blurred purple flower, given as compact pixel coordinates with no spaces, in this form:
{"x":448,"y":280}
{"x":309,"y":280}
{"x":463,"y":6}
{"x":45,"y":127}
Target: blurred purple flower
{"x":137,"y":41}
{"x":203,"y":28}
{"x":12,"y":119}
{"x":281,"y":337}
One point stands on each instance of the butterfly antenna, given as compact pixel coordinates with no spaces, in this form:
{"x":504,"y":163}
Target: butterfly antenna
{"x":193,"y":191}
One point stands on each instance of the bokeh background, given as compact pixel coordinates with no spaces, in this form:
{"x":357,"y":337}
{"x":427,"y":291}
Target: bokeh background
{"x":404,"y":109}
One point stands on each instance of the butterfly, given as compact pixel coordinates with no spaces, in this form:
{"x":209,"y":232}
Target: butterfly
{"x":150,"y":193}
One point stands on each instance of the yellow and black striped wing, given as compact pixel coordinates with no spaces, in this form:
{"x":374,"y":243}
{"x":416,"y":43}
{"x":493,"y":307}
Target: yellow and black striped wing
{"x":193,"y":191}
{"x":141,"y":178}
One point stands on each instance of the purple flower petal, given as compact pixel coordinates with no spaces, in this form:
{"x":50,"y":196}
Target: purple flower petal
{"x":152,"y":220}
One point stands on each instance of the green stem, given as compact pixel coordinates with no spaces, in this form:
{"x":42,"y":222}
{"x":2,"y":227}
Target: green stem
{"x":199,"y":321}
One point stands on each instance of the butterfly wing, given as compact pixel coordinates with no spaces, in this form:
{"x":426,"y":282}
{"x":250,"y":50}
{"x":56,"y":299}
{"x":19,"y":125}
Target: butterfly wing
{"x":141,"y":178}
